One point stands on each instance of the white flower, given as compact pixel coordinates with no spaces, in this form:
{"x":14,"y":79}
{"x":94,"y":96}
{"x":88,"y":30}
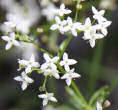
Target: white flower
{"x":87,"y":27}
{"x":46,"y":97}
{"x":50,"y":11}
{"x":24,"y":79}
{"x":10,"y":24}
{"x":98,"y":14}
{"x":52,"y":72}
{"x":99,"y":106}
{"x":63,"y":11}
{"x":49,"y":62}
{"x":66,"y":62}
{"x":92,"y":37}
{"x":59,"y":25}
{"x":103,"y":27}
{"x":11,"y":41}
{"x":28,"y":65}
{"x":73,"y":27}
{"x":69,"y":76}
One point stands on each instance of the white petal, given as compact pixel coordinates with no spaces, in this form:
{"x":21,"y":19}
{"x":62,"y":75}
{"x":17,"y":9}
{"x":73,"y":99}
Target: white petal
{"x":35,"y":64}
{"x":65,"y":76}
{"x":16,"y":43}
{"x":102,"y":12}
{"x":44,"y":66}
{"x":24,"y":86}
{"x":8,"y":46}
{"x":88,"y":22}
{"x":45,"y":102}
{"x":65,"y":56}
{"x":53,"y":99}
{"x":55,"y":59}
{"x":72,"y":61}
{"x":68,"y":81}
{"x":53,"y":66}
{"x":18,"y":78}
{"x":56,"y":75}
{"x":28,"y":69}
{"x":12,"y":35}
{"x":104,"y":31}
{"x":57,"y":19}
{"x":62,"y":6}
{"x":94,"y":10}
{"x":67,"y":68}
{"x":46,"y":57}
{"x":54,"y":27}
{"x":29,"y":80}
{"x":67,"y":11}
{"x":74,"y":32}
{"x":92,"y":43}
{"x":6,"y":38}
{"x":43,"y":96}
{"x":75,"y":75}
{"x":62,"y":63}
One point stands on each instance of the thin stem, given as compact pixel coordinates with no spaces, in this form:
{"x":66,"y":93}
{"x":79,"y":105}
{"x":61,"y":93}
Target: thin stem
{"x":44,"y":83}
{"x":78,"y":92}
{"x":41,"y":49}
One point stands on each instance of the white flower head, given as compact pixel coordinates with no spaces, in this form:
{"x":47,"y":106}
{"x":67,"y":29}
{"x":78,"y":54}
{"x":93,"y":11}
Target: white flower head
{"x":67,"y":62}
{"x":99,"y":106}
{"x":50,"y":62}
{"x":28,"y":65}
{"x":47,"y":97}
{"x":59,"y":25}
{"x":24,"y":79}
{"x":103,"y":27}
{"x":93,"y":36}
{"x":69,"y":76}
{"x":73,"y":27}
{"x":52,"y":72}
{"x":98,"y":14}
{"x":11,"y":41}
{"x":63,"y":11}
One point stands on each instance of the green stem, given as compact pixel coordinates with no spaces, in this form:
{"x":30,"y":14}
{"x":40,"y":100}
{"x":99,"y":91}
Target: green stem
{"x":41,"y":49}
{"x":44,"y":83}
{"x":78,"y":92}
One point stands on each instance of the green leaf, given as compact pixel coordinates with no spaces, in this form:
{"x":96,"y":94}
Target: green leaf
{"x":62,"y":45}
{"x":100,"y":95}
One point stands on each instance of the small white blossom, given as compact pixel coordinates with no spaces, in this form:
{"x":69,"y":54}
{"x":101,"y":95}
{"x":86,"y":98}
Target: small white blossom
{"x":69,"y":76}
{"x":103,"y":27}
{"x":24,"y":79}
{"x":87,"y":27}
{"x":11,"y":41}
{"x":63,"y":11}
{"x":59,"y":25}
{"x":47,"y":97}
{"x":49,"y":62}
{"x":73,"y":27}
{"x":28,"y":65}
{"x":52,"y":72}
{"x":92,"y":37}
{"x":99,"y":106}
{"x":66,"y":62}
{"x":98,"y":14}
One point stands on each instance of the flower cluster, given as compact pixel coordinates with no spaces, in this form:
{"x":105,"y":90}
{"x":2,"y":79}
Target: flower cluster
{"x":92,"y":30}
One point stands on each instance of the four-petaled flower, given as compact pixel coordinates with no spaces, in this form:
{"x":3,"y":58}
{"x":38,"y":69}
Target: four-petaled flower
{"x":11,"y":41}
{"x":66,"y":62}
{"x":92,"y":37}
{"x":69,"y":76}
{"x":28,"y":65}
{"x":59,"y":25}
{"x":103,"y":26}
{"x":63,"y":11}
{"x":98,"y":14}
{"x":46,"y":97}
{"x":24,"y":79}
{"x":50,"y":62}
{"x":73,"y":27}
{"x":99,"y":106}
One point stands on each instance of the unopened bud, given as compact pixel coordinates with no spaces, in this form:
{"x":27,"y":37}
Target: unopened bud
{"x":107,"y":103}
{"x":39,"y":30}
{"x":79,"y":6}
